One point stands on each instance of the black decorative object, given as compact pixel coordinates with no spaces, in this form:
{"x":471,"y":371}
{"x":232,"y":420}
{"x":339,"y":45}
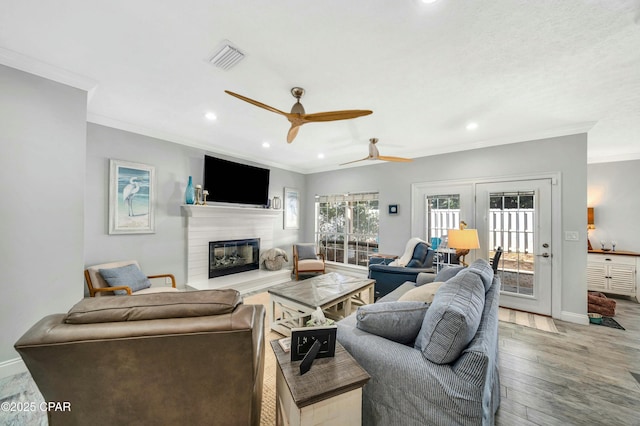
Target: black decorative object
{"x":302,"y":339}
{"x":305,"y":365}
{"x":610,"y":322}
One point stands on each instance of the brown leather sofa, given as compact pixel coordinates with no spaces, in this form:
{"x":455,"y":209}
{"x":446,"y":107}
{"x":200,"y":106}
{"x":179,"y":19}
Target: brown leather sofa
{"x":156,"y":359}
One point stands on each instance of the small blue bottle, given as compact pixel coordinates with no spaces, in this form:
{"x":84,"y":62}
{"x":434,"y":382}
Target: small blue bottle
{"x":189,"y":193}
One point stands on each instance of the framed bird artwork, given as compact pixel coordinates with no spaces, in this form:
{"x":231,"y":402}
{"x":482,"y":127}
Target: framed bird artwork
{"x":131,"y":198}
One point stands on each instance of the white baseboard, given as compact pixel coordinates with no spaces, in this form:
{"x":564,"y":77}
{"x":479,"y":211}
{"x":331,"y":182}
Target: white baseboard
{"x":11,"y":367}
{"x":574,"y":318}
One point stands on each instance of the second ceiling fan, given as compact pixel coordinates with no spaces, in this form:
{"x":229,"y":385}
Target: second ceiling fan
{"x":297,"y":117}
{"x":374,"y":154}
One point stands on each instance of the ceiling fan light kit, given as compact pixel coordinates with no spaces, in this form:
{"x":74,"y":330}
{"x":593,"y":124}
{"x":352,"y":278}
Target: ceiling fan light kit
{"x":297,"y":117}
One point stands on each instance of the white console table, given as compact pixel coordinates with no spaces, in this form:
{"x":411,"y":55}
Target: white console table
{"x":614,"y":272}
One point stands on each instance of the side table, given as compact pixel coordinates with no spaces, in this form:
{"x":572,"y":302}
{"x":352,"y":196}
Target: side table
{"x":330,"y":393}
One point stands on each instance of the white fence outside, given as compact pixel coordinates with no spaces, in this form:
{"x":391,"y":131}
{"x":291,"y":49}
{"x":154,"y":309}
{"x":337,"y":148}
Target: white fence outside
{"x":513,"y":230}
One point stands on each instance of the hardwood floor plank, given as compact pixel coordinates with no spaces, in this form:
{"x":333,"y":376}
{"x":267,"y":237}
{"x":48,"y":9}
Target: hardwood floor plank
{"x":582,"y":375}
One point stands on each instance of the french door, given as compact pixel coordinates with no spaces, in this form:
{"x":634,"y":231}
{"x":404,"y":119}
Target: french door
{"x":516,"y":216}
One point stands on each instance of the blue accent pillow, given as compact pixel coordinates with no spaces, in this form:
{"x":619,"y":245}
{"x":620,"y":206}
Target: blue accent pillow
{"x":128,"y":275}
{"x":484,"y":271}
{"x":453,"y":318}
{"x":396,"y":321}
{"x":448,"y":272}
{"x":306,"y":251}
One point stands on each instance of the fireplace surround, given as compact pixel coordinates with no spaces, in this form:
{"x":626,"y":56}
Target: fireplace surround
{"x":233,"y":256}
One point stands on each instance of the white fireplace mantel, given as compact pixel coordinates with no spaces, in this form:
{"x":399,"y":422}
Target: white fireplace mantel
{"x":218,"y":223}
{"x":216,"y":211}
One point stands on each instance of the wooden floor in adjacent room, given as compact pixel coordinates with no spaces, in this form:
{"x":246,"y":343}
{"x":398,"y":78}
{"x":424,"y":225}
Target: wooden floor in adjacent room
{"x":582,"y":376}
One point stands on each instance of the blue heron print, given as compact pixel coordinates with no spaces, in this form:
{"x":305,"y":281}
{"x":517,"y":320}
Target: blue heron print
{"x":129,"y":192}
{"x":133,"y":192}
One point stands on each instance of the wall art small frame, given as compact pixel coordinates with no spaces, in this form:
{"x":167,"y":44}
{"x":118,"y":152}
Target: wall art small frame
{"x":303,"y":338}
{"x":131,"y":198}
{"x":291,"y":208}
{"x":393,"y":209}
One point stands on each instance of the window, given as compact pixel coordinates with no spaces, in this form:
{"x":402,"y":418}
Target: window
{"x":443,"y":213}
{"x":347,"y":227}
{"x":511,"y":221}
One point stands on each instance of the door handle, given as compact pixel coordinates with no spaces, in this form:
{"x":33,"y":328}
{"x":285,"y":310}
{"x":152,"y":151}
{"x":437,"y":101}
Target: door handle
{"x":545,"y":254}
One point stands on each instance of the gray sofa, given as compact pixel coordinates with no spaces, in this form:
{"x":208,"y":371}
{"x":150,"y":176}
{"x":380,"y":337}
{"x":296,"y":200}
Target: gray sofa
{"x":430,"y":364}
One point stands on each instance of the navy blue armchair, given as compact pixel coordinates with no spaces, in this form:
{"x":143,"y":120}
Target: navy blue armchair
{"x":388,"y":277}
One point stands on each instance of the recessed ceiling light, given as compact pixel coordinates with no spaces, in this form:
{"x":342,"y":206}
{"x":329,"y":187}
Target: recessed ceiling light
{"x":266,"y":144}
{"x":321,"y":156}
{"x":210,"y":116}
{"x":429,"y":1}
{"x":472,"y":126}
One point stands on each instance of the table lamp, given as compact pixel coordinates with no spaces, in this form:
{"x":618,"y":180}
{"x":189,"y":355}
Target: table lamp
{"x":590,"y":225}
{"x":463,"y":240}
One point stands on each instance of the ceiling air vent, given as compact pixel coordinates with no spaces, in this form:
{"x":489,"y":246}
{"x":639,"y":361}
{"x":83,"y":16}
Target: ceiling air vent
{"x":226,"y":57}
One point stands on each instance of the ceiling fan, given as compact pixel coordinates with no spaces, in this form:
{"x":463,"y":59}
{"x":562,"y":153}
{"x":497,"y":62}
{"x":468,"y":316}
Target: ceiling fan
{"x":297,"y":117}
{"x":375,"y":155}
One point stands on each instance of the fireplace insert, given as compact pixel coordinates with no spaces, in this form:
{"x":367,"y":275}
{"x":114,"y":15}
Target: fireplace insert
{"x":233,"y":256}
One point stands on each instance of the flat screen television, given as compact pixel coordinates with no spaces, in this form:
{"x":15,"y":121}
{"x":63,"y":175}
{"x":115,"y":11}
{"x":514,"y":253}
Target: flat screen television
{"x":230,"y":182}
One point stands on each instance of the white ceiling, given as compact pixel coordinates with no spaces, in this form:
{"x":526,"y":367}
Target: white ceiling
{"x":521,"y":69}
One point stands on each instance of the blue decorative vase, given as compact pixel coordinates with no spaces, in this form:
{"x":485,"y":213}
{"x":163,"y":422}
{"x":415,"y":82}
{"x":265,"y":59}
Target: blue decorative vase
{"x":189,"y":194}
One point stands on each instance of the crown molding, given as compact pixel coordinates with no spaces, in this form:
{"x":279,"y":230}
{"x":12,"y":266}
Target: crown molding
{"x":614,"y":158}
{"x":173,"y":138}
{"x":34,"y":66}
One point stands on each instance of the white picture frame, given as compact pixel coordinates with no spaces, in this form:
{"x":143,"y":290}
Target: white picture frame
{"x":131,"y":198}
{"x":291,"y":208}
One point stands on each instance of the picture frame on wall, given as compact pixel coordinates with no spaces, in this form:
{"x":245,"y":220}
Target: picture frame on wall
{"x":131,"y":198}
{"x":291,"y":208}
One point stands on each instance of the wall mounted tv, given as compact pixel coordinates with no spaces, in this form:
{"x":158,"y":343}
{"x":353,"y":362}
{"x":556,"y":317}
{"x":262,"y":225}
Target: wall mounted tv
{"x":230,"y":182}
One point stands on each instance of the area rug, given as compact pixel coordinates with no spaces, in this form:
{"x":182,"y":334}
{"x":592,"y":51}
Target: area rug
{"x":610,"y":322}
{"x":268,"y":413}
{"x":527,"y":319}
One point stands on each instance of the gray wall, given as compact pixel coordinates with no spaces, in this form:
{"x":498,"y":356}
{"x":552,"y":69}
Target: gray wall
{"x":614,"y":193}
{"x":164,"y":251}
{"x":566,"y":155}
{"x":42,"y":165}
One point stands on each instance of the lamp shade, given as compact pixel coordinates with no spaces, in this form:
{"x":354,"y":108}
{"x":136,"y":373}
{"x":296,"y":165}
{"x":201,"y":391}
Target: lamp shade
{"x":590,"y":218}
{"x":463,"y":239}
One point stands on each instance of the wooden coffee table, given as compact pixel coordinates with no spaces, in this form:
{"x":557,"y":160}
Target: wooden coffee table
{"x":337,"y":295}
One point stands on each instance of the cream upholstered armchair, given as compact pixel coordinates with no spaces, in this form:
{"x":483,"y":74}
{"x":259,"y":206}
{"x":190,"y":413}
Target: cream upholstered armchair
{"x":123,"y":277}
{"x":305,"y":259}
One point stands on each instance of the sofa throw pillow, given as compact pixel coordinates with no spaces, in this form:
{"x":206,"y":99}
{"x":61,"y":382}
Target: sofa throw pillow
{"x":452,"y":319}
{"x":396,"y":321}
{"x":128,"y":275}
{"x":447,"y":273}
{"x":424,"y":293}
{"x":306,"y":251}
{"x":482,"y":268}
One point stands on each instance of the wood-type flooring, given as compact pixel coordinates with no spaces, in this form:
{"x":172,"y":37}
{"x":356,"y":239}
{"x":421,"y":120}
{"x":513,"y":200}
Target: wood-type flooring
{"x":584,"y":375}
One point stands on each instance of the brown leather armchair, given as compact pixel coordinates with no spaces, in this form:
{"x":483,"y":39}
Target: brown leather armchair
{"x":162,"y":359}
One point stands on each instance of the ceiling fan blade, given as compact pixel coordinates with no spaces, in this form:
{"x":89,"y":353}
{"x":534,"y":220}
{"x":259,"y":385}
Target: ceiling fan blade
{"x":397,"y":159}
{"x":336,"y":115}
{"x":256,"y":103}
{"x":355,"y":161}
{"x":293,"y":132}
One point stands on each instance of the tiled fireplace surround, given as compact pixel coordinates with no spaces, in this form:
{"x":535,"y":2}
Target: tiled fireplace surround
{"x":214,"y":223}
